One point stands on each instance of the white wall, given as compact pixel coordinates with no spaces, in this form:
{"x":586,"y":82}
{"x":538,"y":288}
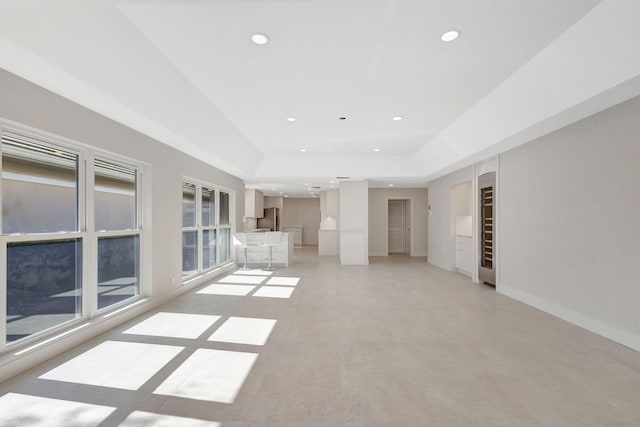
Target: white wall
{"x":378,"y":217}
{"x":354,"y":222}
{"x":569,"y":207}
{"x":441,"y":230}
{"x":297,"y":212}
{"x":461,"y":200}
{"x":31,"y":105}
{"x":274,"y":202}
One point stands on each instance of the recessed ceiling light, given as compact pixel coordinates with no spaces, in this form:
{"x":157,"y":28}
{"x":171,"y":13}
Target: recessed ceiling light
{"x":397,"y":118}
{"x":286,"y":195}
{"x":259,"y":38}
{"x":306,"y":183}
{"x":332,"y":182}
{"x":390,"y":185}
{"x":291,"y":119}
{"x":280,"y":192}
{"x":376,"y":149}
{"x":450,"y":35}
{"x":304,"y":150}
{"x":273,"y":189}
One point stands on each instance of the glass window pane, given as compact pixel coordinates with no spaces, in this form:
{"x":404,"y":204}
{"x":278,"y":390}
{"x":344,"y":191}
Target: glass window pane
{"x":118,"y":269}
{"x":209,"y":249}
{"x":188,"y":205}
{"x":44,"y":285}
{"x":224,"y":208}
{"x":39,"y":188}
{"x":189,"y":252}
{"x":115,"y":196}
{"x":208,"y":207}
{"x":225,"y":245}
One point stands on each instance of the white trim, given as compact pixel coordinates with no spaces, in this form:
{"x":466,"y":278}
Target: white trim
{"x":43,"y":237}
{"x":12,"y":176}
{"x":601,"y":328}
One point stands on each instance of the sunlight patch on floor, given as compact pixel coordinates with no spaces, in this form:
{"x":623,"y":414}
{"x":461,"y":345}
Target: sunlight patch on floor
{"x":174,"y":325}
{"x":237,"y":290}
{"x":211,"y":375}
{"x":23,"y":410}
{"x":125,"y":365}
{"x":283,"y":281}
{"x":252,"y":273}
{"x":243,"y":280}
{"x":148,"y":419}
{"x":274,"y":292}
{"x":244,"y":330}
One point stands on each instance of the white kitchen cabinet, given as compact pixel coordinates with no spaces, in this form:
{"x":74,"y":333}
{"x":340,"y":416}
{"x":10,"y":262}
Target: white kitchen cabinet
{"x":253,"y":203}
{"x":258,"y":255}
{"x":464,"y":254}
{"x":297,"y":234}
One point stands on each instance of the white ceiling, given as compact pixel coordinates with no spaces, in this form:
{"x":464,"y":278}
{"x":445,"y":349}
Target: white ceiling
{"x":187,"y":74}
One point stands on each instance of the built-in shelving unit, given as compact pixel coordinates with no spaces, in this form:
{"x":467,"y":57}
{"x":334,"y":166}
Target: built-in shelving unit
{"x":486,"y":222}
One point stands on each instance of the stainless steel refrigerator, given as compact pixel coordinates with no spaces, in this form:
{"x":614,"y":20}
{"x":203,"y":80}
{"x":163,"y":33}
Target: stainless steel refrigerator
{"x":270,"y":220}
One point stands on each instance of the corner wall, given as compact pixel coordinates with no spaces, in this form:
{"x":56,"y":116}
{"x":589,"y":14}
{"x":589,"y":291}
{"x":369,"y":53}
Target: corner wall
{"x":441,"y":232}
{"x":570,"y":229}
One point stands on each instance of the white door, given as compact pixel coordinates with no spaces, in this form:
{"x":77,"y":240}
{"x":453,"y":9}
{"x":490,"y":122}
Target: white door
{"x":311,"y":225}
{"x":397,"y":236}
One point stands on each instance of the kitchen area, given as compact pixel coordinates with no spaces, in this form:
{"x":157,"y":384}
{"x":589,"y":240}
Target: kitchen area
{"x":267,"y":214}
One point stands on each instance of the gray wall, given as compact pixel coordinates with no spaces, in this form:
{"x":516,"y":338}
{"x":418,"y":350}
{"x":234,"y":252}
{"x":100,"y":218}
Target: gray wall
{"x":570,"y":223}
{"x":34,"y":106}
{"x":441,"y":225}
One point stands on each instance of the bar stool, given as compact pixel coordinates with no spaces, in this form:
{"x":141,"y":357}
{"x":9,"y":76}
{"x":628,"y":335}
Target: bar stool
{"x":240,"y":241}
{"x":271,"y":239}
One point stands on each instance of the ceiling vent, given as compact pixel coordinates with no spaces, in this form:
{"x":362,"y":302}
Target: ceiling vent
{"x":342,"y":177}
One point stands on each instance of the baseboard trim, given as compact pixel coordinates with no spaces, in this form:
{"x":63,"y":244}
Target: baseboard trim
{"x":603,"y":329}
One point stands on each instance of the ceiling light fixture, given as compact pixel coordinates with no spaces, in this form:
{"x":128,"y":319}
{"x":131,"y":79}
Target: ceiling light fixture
{"x":376,"y":149}
{"x":259,"y":38}
{"x":306,"y":183}
{"x":397,"y":118}
{"x":450,"y":36}
{"x":304,"y":150}
{"x":291,"y":119}
{"x":390,"y":185}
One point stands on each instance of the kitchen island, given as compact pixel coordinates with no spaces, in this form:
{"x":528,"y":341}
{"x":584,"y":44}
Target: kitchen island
{"x":258,"y":254}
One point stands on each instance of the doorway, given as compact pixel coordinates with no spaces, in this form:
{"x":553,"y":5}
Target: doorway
{"x":398,"y":226}
{"x":310,"y":222}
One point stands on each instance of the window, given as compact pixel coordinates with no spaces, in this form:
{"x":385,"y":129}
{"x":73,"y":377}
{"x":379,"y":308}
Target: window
{"x":117,"y":232}
{"x":40,"y":228}
{"x":189,"y":230}
{"x":225,"y":228}
{"x":206,"y":229}
{"x":69,"y":229}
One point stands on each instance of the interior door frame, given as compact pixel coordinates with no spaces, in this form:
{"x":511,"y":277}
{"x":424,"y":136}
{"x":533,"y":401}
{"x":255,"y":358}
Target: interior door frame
{"x":408,"y":209}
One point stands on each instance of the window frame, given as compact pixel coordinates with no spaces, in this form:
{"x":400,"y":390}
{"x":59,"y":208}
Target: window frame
{"x":95,"y":235}
{"x":85,"y":233}
{"x":200,"y":228}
